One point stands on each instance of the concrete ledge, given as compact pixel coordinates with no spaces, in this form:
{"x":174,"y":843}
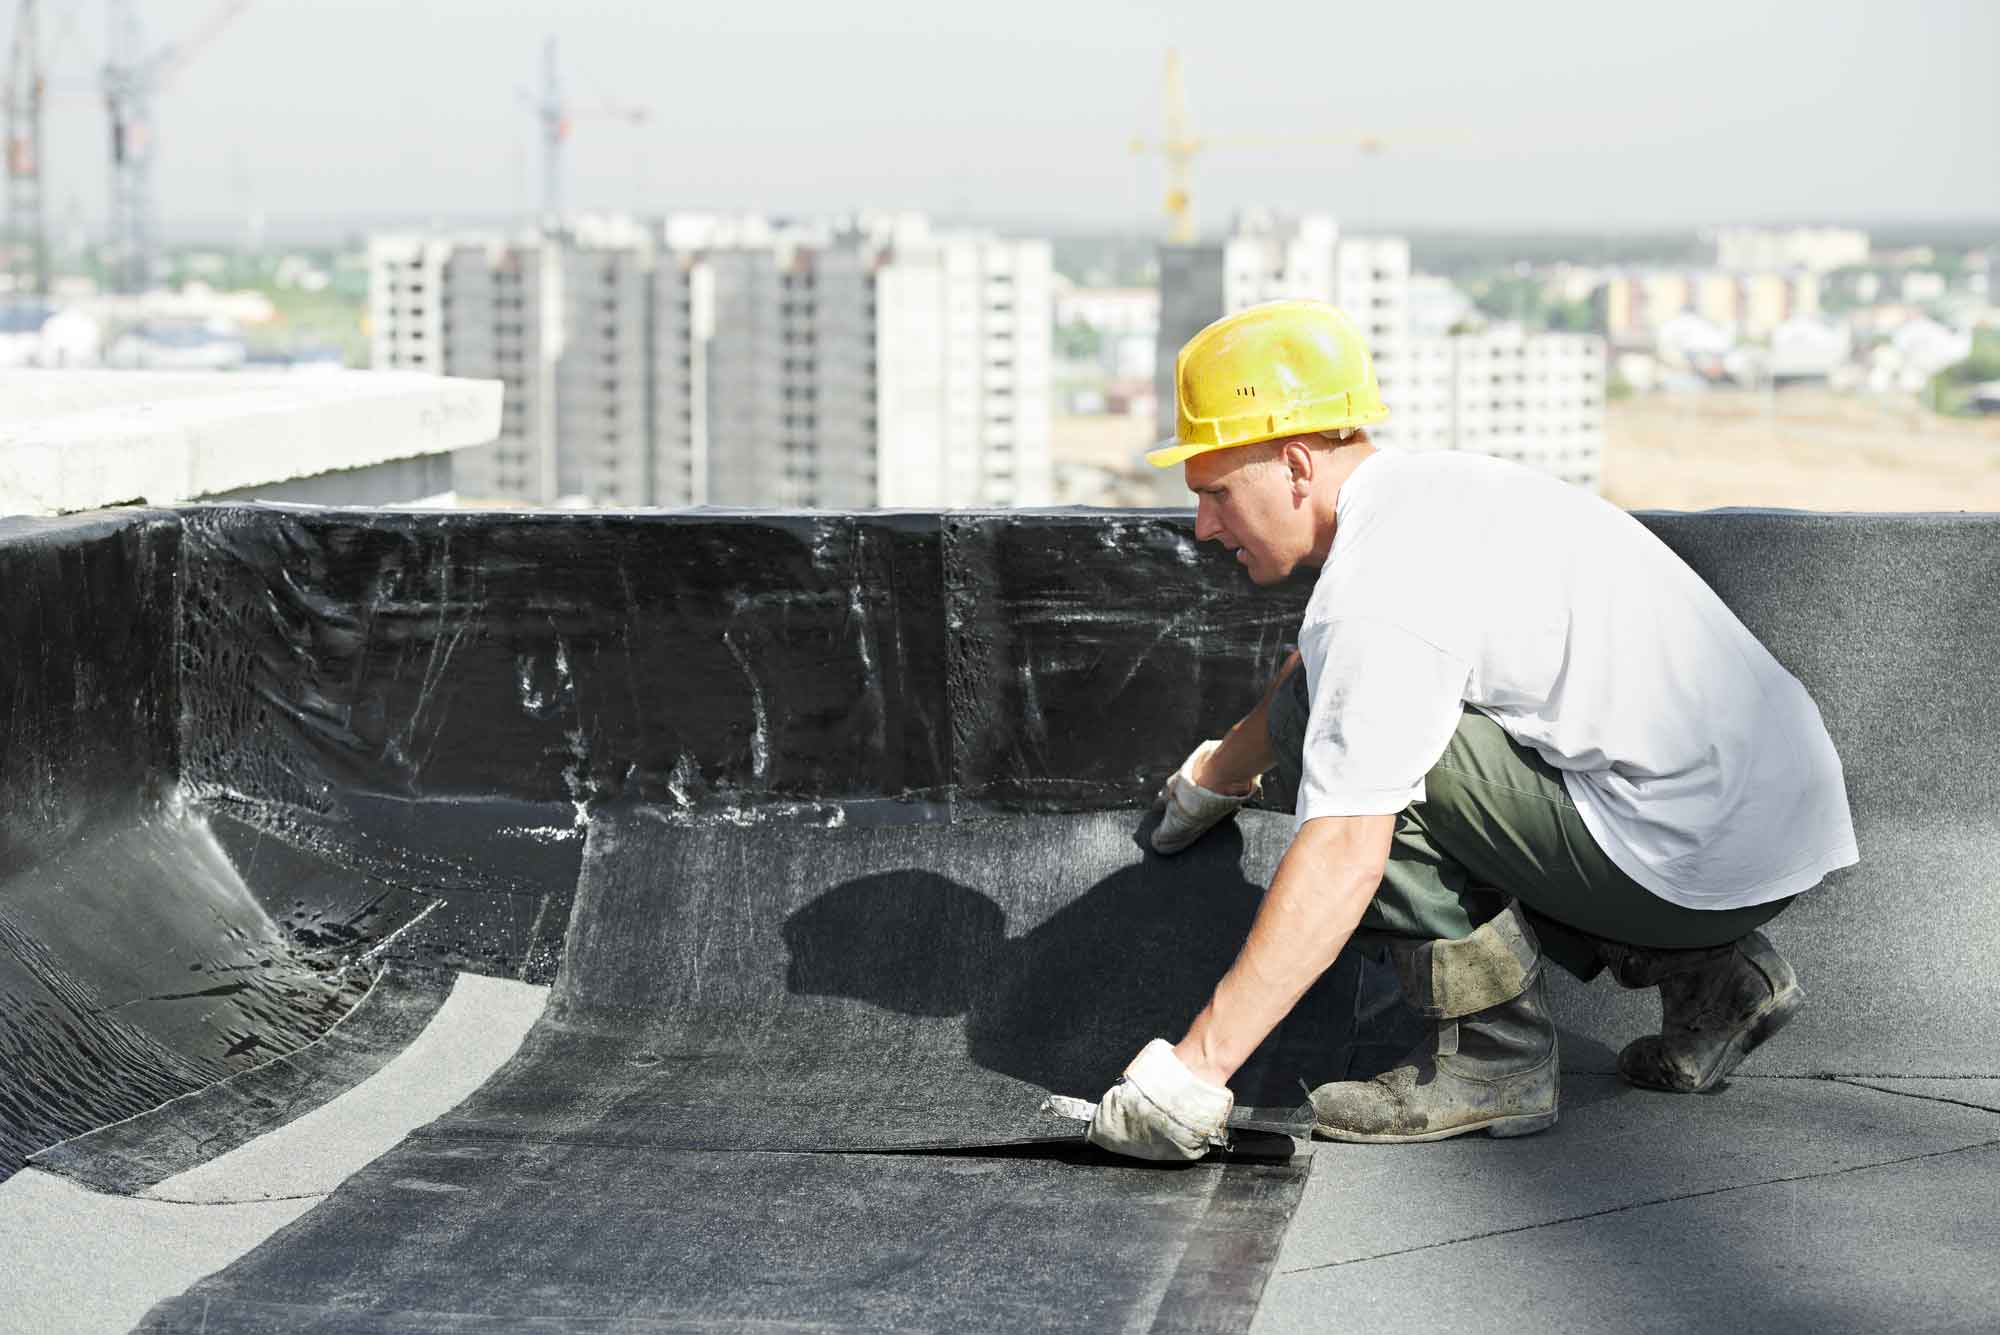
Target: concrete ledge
{"x":76,"y":440}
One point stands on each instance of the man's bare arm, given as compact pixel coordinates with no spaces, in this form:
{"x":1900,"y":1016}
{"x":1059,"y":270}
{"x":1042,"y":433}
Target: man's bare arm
{"x":1323,"y":884}
{"x":1245,"y":752}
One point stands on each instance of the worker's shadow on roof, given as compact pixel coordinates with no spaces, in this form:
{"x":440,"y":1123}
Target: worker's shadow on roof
{"x":1066,"y":1004}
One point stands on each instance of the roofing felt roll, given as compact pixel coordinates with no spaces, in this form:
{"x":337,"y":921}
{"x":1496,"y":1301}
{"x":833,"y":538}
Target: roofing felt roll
{"x":748,"y":1013}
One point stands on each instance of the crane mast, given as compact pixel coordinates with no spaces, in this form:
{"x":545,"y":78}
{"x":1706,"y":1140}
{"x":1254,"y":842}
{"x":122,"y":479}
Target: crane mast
{"x":555,"y":129}
{"x":132,"y":77}
{"x":128,"y":99}
{"x":557,"y":115}
{"x":27,"y":229}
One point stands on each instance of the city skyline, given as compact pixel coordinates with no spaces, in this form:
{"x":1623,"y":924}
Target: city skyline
{"x":373,"y":112}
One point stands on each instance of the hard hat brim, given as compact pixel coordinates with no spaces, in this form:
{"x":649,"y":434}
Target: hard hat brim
{"x":1170,"y":452}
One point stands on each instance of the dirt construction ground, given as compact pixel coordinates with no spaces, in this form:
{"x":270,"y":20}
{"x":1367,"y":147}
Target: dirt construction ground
{"x":1800,"y":449}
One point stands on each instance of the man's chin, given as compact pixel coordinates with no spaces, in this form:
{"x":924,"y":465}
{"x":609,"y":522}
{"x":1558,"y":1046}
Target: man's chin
{"x":1264,"y":576}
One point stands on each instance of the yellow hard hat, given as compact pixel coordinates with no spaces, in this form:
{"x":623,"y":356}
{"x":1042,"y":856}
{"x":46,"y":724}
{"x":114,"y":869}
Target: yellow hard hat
{"x":1285,"y":368}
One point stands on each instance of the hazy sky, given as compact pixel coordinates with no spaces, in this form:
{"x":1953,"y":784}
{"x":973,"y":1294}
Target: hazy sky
{"x":1580,"y":115}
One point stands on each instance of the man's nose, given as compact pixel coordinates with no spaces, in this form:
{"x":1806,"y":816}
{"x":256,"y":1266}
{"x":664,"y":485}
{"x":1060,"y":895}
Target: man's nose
{"x":1206,"y":525}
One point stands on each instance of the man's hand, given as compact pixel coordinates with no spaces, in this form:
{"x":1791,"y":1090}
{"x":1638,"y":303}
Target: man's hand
{"x":1188,"y":809}
{"x":1160,"y":1110}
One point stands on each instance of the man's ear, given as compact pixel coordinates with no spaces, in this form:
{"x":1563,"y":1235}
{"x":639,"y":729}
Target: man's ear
{"x":1299,"y":464}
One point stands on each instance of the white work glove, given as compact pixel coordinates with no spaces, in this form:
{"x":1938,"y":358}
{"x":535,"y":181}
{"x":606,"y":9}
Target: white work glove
{"x":1190,"y":810}
{"x":1160,"y":1110}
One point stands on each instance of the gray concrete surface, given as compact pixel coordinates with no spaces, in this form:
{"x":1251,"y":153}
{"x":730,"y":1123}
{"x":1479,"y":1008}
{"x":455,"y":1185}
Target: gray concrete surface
{"x":1780,"y":1203}
{"x":1776,"y":1204}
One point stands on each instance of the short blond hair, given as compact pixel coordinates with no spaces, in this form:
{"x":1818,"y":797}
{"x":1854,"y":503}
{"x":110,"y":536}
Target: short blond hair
{"x":1266,"y":451}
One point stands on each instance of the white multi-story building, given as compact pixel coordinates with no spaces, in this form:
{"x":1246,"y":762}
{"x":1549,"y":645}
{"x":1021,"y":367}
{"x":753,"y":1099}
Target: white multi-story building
{"x":1535,"y":398}
{"x":1266,"y":258}
{"x":487,"y":309}
{"x":966,"y":319}
{"x":736,"y":361}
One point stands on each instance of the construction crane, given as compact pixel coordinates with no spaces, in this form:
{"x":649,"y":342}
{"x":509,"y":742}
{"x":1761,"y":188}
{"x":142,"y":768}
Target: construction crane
{"x":27,"y":243}
{"x":1182,"y":146}
{"x":556,"y":117}
{"x":132,"y":78}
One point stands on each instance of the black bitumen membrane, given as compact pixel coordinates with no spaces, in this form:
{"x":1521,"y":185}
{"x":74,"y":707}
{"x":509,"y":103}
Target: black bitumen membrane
{"x":734,"y":1002}
{"x":827,"y":831}
{"x":129,"y":1156}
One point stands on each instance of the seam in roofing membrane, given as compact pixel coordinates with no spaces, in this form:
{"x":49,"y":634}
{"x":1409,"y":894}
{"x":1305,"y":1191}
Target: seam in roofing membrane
{"x":1647,"y":1204}
{"x":1927,"y":1098}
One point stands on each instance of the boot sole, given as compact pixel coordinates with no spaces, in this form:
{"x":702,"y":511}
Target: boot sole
{"x":1500,"y":1128}
{"x":1752,"y":1036}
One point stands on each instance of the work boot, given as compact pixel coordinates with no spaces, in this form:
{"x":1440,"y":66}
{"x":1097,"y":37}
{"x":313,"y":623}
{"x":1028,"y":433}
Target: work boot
{"x":1716,"y":1005}
{"x":1489,"y":1061}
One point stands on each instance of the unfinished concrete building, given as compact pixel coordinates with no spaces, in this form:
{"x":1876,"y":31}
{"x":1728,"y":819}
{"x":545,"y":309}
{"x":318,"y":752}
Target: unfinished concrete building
{"x":734,"y":362}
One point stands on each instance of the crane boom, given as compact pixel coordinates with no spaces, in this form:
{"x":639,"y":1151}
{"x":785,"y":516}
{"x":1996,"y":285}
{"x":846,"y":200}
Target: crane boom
{"x":173,"y":57}
{"x":1181,"y":146}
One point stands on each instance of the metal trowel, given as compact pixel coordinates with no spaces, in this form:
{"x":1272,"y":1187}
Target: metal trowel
{"x":1254,"y":1133}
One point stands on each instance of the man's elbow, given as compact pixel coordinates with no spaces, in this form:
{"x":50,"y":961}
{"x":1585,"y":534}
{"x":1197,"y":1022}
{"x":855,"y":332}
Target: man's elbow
{"x":1351,"y":847}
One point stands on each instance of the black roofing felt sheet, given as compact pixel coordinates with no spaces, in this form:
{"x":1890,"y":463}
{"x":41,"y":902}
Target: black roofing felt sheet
{"x":662,"y":657}
{"x":786,"y":985}
{"x":197,"y":943}
{"x":140,"y":1152}
{"x":137,"y":966}
{"x":470,"y":1236}
{"x":88,"y":688}
{"x":751,"y":1009}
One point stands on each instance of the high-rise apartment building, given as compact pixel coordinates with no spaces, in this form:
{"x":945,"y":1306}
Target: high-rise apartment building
{"x":739,"y":362}
{"x":1535,"y":398}
{"x":486,"y":309}
{"x":1268,"y":258}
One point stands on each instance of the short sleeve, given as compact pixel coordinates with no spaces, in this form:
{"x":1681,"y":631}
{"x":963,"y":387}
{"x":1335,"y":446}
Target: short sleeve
{"x":1384,"y":704}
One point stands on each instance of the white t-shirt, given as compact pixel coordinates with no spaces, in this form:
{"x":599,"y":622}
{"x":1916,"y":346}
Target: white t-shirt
{"x":1701,"y":767}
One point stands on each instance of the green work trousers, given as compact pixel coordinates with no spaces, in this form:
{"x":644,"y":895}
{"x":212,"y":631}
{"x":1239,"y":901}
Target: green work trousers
{"x":1498,"y":824}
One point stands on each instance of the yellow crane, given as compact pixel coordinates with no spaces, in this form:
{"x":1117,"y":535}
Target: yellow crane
{"x":1181,"y":146}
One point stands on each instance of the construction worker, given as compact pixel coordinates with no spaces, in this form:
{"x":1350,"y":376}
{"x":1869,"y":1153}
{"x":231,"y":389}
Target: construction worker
{"x":1520,"y":730}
